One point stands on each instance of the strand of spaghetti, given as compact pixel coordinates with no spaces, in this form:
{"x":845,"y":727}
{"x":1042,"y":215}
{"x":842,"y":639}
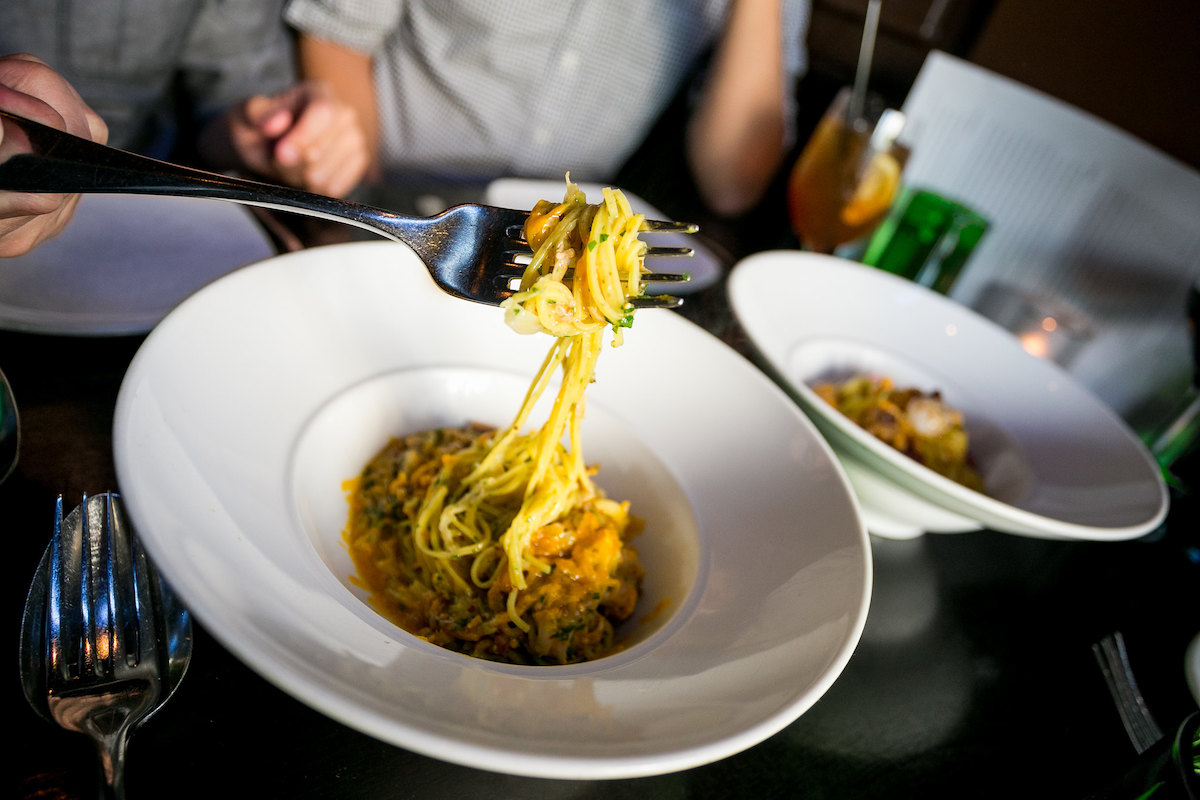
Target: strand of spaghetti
{"x":607,"y":262}
{"x":629,"y":251}
{"x":506,"y":477}
{"x":431,"y":507}
{"x":579,"y":471}
{"x":600,"y":303}
{"x":432,"y":556}
{"x":610,"y":201}
{"x":550,"y":435}
{"x":609,"y":266}
{"x":490,"y":463}
{"x":550,"y":364}
{"x":542,"y":506}
{"x":471,"y":529}
{"x":547,"y":499}
{"x":471,"y":513}
{"x":485,"y":567}
{"x":510,"y":482}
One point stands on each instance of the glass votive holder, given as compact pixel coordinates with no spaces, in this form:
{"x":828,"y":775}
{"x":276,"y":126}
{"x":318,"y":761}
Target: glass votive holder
{"x":1045,"y":327}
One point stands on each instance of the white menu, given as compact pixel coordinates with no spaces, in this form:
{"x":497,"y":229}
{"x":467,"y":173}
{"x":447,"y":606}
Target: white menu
{"x":1080,"y":213}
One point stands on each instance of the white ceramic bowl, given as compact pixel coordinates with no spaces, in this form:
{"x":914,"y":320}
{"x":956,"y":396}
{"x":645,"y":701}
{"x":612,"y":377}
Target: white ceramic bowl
{"x":1056,"y":462}
{"x":253,"y":400}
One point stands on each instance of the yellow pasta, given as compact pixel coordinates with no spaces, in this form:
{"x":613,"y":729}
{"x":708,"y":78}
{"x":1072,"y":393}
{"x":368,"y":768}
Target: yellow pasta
{"x":498,"y":543}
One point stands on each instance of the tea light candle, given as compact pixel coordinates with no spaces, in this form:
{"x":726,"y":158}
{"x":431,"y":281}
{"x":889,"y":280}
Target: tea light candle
{"x":1041,"y":340}
{"x":1044,"y":327}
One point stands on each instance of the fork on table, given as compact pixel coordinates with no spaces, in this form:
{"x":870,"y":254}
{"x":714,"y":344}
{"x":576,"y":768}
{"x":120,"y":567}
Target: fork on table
{"x":104,"y":641}
{"x":472,"y":251}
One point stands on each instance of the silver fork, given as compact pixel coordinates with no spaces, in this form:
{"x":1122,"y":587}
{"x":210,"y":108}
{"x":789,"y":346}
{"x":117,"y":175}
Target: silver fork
{"x":473,"y":251}
{"x":104,"y":642}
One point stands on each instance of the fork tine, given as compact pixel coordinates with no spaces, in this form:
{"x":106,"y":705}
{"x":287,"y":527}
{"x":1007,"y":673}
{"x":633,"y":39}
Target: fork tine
{"x":95,"y":585}
{"x":669,"y":252}
{"x":124,"y":591}
{"x":516,"y":229}
{"x":666,"y":226}
{"x":522,"y":256}
{"x":515,"y":261}
{"x":509,"y":278}
{"x":656,"y":301}
{"x":652,"y":277}
{"x":72,"y":636}
{"x":665,"y":277}
{"x":61,"y":646}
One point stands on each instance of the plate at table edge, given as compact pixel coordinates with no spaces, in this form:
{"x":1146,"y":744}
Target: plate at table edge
{"x":704,"y":267}
{"x":124,"y":261}
{"x":221,"y":396}
{"x":762,"y":290}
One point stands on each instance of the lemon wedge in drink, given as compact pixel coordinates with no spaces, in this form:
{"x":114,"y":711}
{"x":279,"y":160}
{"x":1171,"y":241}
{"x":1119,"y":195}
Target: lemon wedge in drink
{"x":874,"y":192}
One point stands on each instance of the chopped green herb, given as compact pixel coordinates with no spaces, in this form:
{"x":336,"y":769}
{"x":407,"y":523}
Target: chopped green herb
{"x":624,"y":322}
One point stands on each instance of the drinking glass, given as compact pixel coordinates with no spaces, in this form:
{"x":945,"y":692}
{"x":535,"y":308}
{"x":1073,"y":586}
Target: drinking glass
{"x":847,"y":175}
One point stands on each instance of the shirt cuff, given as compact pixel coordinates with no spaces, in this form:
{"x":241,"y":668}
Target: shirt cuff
{"x":359,"y":26}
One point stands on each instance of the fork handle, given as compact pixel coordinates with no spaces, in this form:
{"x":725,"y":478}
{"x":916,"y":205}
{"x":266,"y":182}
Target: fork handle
{"x":38,"y":158}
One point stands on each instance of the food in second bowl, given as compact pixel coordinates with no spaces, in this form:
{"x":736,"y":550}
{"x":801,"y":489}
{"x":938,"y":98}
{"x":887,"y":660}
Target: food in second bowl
{"x":917,"y":423}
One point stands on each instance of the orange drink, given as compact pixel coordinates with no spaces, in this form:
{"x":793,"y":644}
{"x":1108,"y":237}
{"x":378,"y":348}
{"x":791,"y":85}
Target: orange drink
{"x":846,"y":176}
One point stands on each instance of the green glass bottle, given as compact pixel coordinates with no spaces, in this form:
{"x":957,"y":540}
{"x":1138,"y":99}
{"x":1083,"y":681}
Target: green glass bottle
{"x":927,"y":239}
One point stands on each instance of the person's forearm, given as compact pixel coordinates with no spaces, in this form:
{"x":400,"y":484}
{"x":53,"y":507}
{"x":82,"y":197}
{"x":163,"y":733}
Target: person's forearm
{"x":348,"y":74}
{"x":735,"y":140}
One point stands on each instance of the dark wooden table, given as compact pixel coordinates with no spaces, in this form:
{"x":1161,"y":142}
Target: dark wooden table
{"x":975,"y":675}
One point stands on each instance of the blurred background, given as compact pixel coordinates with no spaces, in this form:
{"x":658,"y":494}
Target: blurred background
{"x":1124,"y":258}
{"x":1130,"y":63}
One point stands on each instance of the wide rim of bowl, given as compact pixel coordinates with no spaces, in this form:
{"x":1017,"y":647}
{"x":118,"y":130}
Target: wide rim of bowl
{"x":309,"y":324}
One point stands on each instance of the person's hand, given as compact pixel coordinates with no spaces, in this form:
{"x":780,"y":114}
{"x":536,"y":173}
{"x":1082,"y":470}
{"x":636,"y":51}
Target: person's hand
{"x":30,"y":88}
{"x":304,"y":137}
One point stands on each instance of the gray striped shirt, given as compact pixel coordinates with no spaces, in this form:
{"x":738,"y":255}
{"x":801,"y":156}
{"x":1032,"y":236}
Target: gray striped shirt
{"x":149,"y":66}
{"x":526,"y":88}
